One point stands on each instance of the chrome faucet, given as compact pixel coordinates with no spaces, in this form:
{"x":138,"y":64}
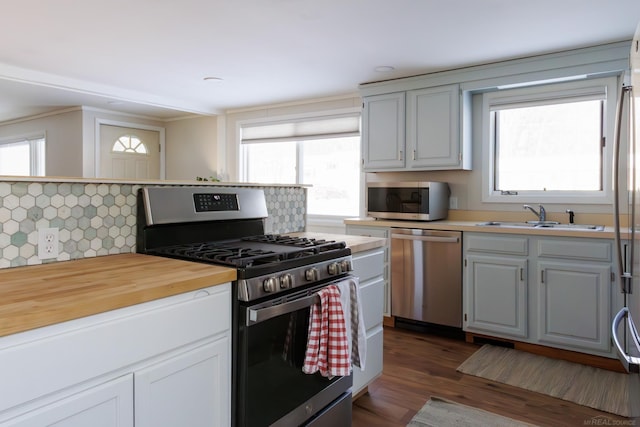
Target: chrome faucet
{"x":542,"y":215}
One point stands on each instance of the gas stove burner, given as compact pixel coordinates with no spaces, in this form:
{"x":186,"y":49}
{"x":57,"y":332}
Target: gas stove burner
{"x":319,"y":245}
{"x":253,"y":251}
{"x":242,"y":257}
{"x":221,"y":254}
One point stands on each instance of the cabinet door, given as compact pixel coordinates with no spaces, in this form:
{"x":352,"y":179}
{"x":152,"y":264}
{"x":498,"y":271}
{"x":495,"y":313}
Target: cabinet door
{"x":192,"y":389}
{"x":106,"y":405}
{"x":373,"y":365}
{"x":433,"y":128}
{"x":496,"y":299}
{"x":574,"y":301}
{"x":383,"y":127}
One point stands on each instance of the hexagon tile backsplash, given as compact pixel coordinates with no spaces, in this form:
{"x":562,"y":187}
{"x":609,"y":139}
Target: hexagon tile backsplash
{"x":96,"y":219}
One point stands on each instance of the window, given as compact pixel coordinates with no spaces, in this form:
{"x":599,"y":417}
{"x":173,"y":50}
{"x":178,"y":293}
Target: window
{"x":129,"y":144}
{"x":549,"y":143}
{"x":22,"y":156}
{"x":323,"y":153}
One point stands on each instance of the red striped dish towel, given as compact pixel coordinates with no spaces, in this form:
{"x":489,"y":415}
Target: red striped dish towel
{"x":327,"y":345}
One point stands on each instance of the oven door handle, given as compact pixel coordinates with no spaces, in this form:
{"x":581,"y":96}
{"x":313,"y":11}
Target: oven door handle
{"x":262,"y":314}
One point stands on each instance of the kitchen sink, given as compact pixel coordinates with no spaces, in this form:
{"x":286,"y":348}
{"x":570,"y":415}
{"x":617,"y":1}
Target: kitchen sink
{"x":542,"y":225}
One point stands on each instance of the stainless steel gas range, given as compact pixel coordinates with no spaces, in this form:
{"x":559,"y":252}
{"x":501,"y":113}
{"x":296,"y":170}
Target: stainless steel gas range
{"x":278,"y":280}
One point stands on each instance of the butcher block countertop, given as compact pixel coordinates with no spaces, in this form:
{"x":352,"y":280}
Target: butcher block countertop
{"x":41,"y":295}
{"x":355,"y":243}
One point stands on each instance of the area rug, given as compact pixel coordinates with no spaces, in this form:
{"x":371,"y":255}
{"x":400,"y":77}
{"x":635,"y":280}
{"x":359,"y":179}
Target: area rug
{"x":596,"y":388}
{"x":438,"y":412}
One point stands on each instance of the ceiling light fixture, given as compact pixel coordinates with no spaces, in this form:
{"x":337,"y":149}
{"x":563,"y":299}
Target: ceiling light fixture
{"x":384,"y":69}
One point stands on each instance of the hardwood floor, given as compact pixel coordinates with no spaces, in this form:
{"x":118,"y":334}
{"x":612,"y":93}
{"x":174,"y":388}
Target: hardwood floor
{"x":417,"y":366}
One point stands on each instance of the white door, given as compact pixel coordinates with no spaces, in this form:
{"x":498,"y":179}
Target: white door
{"x":129,"y":153}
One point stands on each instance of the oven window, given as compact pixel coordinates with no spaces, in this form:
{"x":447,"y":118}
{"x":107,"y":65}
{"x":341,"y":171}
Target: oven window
{"x":271,"y":382}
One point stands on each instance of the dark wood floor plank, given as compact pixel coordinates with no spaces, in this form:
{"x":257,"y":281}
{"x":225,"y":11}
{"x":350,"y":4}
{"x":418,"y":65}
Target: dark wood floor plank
{"x":418,"y":366}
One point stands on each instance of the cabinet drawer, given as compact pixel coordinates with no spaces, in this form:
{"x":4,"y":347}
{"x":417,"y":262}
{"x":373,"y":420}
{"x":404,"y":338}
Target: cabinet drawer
{"x":368,"y":232}
{"x":367,"y":265}
{"x":372,"y":302}
{"x":60,"y":356}
{"x":587,"y":250}
{"x":496,"y":244}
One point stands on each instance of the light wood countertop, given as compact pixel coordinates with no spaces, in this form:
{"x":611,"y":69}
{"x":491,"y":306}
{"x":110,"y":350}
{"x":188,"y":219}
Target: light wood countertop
{"x":41,"y":295}
{"x":355,"y":243}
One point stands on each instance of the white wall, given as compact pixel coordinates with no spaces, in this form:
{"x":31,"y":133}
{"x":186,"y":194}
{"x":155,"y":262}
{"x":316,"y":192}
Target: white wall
{"x":191,"y":148}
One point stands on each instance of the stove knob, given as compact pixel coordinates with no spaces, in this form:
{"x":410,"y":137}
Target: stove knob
{"x":346,"y":266}
{"x":334,"y":268}
{"x":270,"y":284}
{"x":312,"y":274}
{"x":286,"y":281}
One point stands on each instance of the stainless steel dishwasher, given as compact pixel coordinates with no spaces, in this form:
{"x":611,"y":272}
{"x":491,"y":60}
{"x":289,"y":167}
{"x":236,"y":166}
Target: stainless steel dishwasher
{"x":426,"y":275}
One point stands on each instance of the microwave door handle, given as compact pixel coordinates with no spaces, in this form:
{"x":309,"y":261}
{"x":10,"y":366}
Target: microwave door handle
{"x":262,"y":314}
{"x":435,"y":239}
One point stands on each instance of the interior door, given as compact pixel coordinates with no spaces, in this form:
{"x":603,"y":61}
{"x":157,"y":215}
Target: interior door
{"x":129,"y":153}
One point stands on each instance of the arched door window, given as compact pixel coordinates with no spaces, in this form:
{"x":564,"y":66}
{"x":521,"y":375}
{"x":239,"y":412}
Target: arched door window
{"x":129,"y":144}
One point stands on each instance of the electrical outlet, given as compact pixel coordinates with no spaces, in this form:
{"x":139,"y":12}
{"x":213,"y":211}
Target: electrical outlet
{"x":453,"y":203}
{"x":47,"y":243}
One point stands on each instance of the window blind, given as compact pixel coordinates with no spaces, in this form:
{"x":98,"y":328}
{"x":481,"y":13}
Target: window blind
{"x":295,"y":130}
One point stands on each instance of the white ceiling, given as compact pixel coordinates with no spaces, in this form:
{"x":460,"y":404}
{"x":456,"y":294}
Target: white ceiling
{"x":153,"y":54}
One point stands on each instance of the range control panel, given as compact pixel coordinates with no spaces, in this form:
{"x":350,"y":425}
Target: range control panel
{"x":215,"y":202}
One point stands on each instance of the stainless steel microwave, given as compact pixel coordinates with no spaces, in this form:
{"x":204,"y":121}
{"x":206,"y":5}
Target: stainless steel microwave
{"x":418,"y":201}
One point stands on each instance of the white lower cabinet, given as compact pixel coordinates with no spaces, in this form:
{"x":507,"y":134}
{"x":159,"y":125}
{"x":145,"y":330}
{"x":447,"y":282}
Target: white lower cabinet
{"x":497,"y":293}
{"x":368,"y":267}
{"x":553,"y":291}
{"x":574,"y":304}
{"x":158,"y":364}
{"x":105,"y":405}
{"x":187,"y":390}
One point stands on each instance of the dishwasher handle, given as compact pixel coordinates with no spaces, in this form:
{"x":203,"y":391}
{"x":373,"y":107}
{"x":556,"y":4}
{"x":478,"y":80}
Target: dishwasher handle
{"x":436,"y":239}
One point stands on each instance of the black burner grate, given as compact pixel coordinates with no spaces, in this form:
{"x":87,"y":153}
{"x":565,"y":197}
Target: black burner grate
{"x":318,"y":245}
{"x":254,"y":251}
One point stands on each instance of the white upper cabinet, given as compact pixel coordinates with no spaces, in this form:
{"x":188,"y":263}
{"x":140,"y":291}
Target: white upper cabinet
{"x":413,"y":130}
{"x":433,"y":128}
{"x":383,"y":130}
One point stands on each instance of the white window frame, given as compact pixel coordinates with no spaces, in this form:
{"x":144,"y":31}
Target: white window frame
{"x":608,"y":85}
{"x":37,"y":151}
{"x":312,"y":219}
